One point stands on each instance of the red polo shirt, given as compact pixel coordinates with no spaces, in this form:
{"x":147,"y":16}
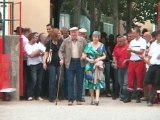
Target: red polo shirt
{"x":121,"y":54}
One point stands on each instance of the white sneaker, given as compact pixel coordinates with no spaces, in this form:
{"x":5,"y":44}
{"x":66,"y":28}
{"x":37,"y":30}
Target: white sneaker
{"x":39,"y":98}
{"x":30,"y":98}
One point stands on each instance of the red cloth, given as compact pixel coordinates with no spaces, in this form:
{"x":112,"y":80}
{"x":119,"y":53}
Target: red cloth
{"x":121,"y":54}
{"x":136,"y":73}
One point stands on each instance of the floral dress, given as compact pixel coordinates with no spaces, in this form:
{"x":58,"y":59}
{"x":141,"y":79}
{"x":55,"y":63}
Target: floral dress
{"x":90,"y":68}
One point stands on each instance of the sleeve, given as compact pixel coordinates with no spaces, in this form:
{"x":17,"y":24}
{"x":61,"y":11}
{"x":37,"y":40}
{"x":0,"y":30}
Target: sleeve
{"x":103,"y":49}
{"x":48,"y":46}
{"x":150,"y":50}
{"x":28,"y":50}
{"x":143,"y":45}
{"x":61,"y":52}
{"x":86,"y":48}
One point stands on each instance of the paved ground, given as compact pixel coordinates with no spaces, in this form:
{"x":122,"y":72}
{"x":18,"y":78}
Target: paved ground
{"x":107,"y":110}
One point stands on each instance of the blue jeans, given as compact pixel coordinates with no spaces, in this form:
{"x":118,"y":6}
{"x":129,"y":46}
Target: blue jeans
{"x":53,"y":75}
{"x":107,"y":76}
{"x":75,"y":70}
{"x":36,"y":72}
{"x":122,"y":79}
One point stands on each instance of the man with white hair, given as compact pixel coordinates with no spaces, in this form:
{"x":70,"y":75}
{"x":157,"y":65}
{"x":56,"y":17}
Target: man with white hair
{"x":70,"y":53}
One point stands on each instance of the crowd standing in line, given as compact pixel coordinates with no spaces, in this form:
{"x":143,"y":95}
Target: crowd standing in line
{"x":126,"y":67}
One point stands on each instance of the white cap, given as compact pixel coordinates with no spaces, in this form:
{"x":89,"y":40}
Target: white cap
{"x":82,"y":30}
{"x":73,"y":28}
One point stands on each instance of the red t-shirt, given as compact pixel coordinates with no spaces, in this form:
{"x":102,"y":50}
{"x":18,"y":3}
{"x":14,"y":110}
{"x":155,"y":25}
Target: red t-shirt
{"x":121,"y":54}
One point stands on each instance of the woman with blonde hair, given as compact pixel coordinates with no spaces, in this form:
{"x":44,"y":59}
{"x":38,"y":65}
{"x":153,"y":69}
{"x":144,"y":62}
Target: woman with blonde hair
{"x":54,"y":65}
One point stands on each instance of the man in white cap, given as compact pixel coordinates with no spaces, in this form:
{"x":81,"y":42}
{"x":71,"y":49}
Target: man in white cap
{"x":70,"y":53}
{"x":83,"y":33}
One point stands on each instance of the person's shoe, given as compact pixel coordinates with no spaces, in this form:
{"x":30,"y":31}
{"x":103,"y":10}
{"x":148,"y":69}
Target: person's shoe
{"x":114,"y":97}
{"x":127,"y":100}
{"x":40,"y":99}
{"x":97,"y":103}
{"x":138,"y":100}
{"x":70,"y":103}
{"x":51,"y":101}
{"x":149,"y":104}
{"x":92,"y":103}
{"x":30,"y":98}
{"x":121,"y":99}
{"x":108,"y":95}
{"x":144,"y":99}
{"x":83,"y":100}
{"x":79,"y":103}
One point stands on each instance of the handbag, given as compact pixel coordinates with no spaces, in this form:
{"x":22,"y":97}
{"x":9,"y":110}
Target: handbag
{"x":49,"y":59}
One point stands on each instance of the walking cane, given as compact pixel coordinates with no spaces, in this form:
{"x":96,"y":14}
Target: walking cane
{"x":59,"y":80}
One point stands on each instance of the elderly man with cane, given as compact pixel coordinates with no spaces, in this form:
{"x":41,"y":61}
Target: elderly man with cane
{"x":70,"y":53}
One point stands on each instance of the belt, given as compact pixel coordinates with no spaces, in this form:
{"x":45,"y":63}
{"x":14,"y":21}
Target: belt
{"x":136,"y":60}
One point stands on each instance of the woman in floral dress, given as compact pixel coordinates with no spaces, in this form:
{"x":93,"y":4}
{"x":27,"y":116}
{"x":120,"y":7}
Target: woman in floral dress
{"x":95,"y":53}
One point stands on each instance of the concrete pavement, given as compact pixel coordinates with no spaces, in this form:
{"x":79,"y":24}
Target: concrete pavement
{"x":107,"y":110}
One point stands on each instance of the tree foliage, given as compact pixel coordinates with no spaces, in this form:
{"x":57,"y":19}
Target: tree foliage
{"x":141,"y":10}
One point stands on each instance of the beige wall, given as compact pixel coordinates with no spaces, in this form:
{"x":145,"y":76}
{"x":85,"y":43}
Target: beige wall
{"x":35,"y":14}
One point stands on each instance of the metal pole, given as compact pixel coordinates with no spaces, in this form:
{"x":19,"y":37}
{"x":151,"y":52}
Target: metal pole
{"x":158,"y":14}
{"x":12,"y":17}
{"x":4,"y":13}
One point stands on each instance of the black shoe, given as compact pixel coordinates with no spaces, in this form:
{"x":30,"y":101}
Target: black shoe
{"x":51,"y":101}
{"x":92,"y":103}
{"x":138,"y":100}
{"x":121,"y":99}
{"x":114,"y":97}
{"x":70,"y":103}
{"x":97,"y":103}
{"x":149,"y":104}
{"x":127,"y":100}
{"x":83,"y":100}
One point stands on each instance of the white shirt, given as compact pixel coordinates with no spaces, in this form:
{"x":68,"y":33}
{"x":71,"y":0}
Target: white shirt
{"x":75,"y":51}
{"x":137,"y":45}
{"x":42,"y":48}
{"x":25,"y":41}
{"x":29,"y":50}
{"x":154,"y":52}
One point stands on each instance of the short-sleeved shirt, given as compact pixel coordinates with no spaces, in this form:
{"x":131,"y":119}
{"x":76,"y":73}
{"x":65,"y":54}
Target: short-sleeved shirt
{"x":121,"y":54}
{"x":55,"y":49}
{"x":29,"y":50}
{"x":154,"y":52}
{"x":137,"y":45}
{"x":42,"y":48}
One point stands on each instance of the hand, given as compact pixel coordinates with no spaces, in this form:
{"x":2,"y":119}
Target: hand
{"x":96,"y":60}
{"x":125,"y":62}
{"x":61,"y":63}
{"x":158,"y":57}
{"x":83,"y":57}
{"x":114,"y":65}
{"x":44,"y":66}
{"x":142,"y":57}
{"x":129,"y":50}
{"x":91,"y":61}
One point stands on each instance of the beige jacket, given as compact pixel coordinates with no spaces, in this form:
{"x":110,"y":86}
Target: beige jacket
{"x":65,"y":51}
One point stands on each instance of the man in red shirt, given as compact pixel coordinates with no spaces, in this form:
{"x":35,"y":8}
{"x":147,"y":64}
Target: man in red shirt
{"x":120,"y":59}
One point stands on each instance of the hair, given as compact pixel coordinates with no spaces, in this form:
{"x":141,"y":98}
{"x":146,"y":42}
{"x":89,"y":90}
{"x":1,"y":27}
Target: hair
{"x":31,"y":35}
{"x":96,"y":33}
{"x":26,"y":30}
{"x":154,"y":33}
{"x":54,"y":33}
{"x":144,"y":30}
{"x":39,"y":37}
{"x":50,"y":25}
{"x":137,"y":29}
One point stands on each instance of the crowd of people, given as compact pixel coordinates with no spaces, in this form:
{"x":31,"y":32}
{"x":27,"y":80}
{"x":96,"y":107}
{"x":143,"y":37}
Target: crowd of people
{"x":125,"y":67}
